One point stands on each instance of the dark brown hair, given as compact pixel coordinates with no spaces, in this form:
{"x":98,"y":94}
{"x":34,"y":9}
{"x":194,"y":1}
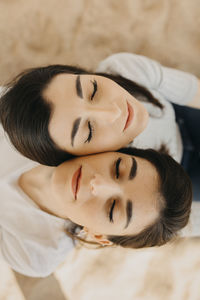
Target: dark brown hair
{"x":25,"y":114}
{"x":174,"y":197}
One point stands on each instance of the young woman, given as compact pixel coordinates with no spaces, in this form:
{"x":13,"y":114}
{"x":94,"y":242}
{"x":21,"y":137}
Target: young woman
{"x":132,"y":198}
{"x":62,"y":109}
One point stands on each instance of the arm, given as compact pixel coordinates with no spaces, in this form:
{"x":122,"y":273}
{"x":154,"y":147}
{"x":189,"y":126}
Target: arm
{"x":174,"y":85}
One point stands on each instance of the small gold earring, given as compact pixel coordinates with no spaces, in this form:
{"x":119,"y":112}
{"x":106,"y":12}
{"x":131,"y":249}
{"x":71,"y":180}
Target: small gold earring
{"x":106,"y":243}
{"x":98,"y":236}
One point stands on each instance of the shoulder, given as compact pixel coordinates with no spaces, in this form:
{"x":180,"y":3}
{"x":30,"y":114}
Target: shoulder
{"x":120,"y":59}
{"x":10,"y":159}
{"x":39,"y":245}
{"x":126,"y":59}
{"x":138,"y":68}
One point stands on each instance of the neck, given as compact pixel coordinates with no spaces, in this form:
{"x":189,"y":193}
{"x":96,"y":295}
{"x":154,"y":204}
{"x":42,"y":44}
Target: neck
{"x":36,"y":183}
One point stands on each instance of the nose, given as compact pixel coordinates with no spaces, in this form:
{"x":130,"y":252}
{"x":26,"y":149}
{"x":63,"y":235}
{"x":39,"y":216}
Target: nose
{"x":108,"y":113}
{"x":99,"y":186}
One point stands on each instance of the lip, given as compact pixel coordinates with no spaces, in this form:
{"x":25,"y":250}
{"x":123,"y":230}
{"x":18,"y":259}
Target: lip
{"x":76,"y":182}
{"x":129,"y":116}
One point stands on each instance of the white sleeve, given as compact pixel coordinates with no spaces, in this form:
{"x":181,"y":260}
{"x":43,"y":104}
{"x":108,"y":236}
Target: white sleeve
{"x":174,"y":85}
{"x":18,"y":258}
{"x":1,"y":90}
{"x":25,"y":258}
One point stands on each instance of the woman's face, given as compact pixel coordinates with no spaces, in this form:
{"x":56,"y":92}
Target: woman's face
{"x":92,"y":114}
{"x":109,"y":193}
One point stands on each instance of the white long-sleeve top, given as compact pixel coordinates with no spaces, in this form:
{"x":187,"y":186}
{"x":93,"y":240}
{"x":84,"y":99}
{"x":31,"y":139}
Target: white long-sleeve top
{"x":167,"y":85}
{"x":32,"y":241}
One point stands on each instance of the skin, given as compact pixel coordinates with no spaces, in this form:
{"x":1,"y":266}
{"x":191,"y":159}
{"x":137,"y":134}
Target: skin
{"x":51,"y":189}
{"x":100,"y":108}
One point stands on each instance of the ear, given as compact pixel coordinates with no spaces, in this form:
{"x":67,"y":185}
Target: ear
{"x":99,"y":238}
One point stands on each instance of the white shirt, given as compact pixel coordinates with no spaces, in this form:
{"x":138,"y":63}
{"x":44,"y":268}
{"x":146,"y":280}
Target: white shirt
{"x":32,"y":241}
{"x":167,"y":85}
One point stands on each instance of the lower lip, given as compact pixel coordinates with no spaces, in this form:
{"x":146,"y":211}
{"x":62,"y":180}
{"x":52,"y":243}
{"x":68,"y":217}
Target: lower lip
{"x":76,"y":182}
{"x":130,"y":116}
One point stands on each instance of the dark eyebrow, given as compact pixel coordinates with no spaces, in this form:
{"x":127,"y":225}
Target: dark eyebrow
{"x":74,"y":130}
{"x":129,"y":210}
{"x":79,"y":90}
{"x":133,"y":170}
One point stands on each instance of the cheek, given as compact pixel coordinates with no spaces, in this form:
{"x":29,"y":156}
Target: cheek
{"x":86,"y":214}
{"x":111,"y":138}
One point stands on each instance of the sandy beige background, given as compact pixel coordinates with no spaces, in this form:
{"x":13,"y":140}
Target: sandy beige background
{"x":35,"y":32}
{"x":82,"y":32}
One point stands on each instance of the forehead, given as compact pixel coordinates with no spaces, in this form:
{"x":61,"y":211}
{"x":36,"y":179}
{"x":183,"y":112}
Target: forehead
{"x":146,"y":197}
{"x":59,"y":86}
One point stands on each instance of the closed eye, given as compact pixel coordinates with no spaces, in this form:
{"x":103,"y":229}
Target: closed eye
{"x":111,"y":211}
{"x":95,"y":89}
{"x":117,"y":167}
{"x":90,"y":133}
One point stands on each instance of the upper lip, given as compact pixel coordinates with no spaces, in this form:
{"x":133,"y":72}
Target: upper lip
{"x":76,"y":181}
{"x":129,"y":115}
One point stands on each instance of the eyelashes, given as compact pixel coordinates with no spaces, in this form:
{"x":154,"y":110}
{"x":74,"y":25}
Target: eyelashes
{"x":114,"y":201}
{"x":90,"y":132}
{"x":95,"y":89}
{"x":111,"y":211}
{"x":117,"y":175}
{"x":90,"y":127}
